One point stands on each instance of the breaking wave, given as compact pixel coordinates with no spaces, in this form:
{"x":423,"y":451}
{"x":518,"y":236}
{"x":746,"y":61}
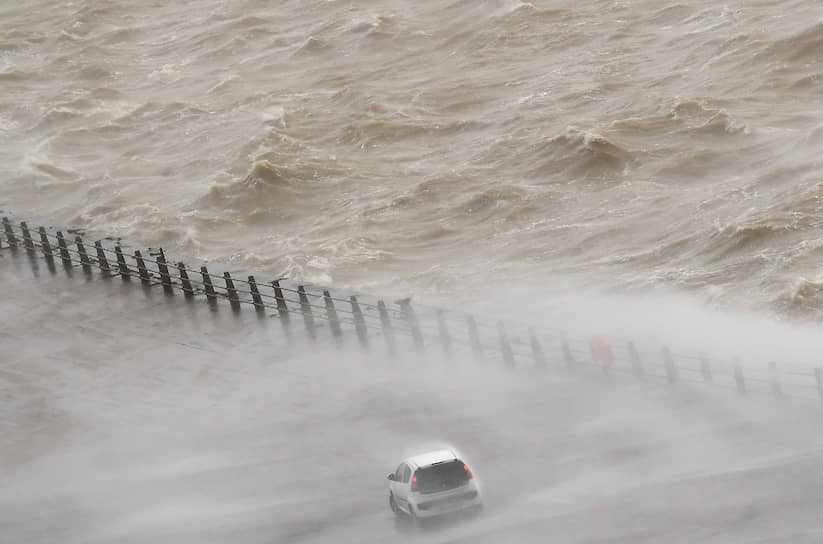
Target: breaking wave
{"x":579,"y":153}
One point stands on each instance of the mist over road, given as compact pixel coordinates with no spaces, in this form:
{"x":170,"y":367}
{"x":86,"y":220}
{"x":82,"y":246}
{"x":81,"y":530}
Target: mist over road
{"x":130,"y":417}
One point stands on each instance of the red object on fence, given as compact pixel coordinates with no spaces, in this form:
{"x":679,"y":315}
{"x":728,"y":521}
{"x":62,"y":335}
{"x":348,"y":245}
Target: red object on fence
{"x":601,"y":352}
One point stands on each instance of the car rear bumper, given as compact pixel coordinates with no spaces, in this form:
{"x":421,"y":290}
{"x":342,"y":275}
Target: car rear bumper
{"x":426,"y":507}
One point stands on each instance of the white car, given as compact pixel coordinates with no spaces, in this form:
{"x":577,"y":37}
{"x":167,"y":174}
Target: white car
{"x":433,"y":484}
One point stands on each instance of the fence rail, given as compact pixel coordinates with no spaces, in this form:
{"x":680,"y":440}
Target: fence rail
{"x":398,"y":325}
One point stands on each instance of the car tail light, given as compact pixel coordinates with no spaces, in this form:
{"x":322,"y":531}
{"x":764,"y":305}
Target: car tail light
{"x":468,"y":471}
{"x":414,"y":483}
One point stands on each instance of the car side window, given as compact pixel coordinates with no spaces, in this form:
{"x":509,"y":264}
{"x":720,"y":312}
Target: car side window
{"x":398,"y":474}
{"x":406,"y":474}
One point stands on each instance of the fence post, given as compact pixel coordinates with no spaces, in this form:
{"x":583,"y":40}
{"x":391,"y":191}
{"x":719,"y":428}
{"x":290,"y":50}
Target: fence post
{"x":64,"y":250}
{"x":331,"y":313}
{"x":474,"y":339}
{"x":443,"y":331}
{"x":634,"y":358}
{"x":706,"y":369}
{"x":163,"y":268}
{"x":231,"y":291}
{"x":385,"y":321}
{"x":84,"y":257}
{"x":537,"y":349}
{"x":208,"y":286}
{"x":774,"y":381}
{"x":188,"y":291}
{"x":121,"y":262}
{"x":102,"y":262}
{"x":305,"y":308}
{"x":818,"y":378}
{"x":567,"y":355}
{"x":45,"y":246}
{"x":739,"y":379}
{"x":411,"y":319}
{"x":505,"y":346}
{"x":142,"y":271}
{"x":10,"y":237}
{"x":28,"y":243}
{"x":256,"y":299}
{"x":671,"y":370}
{"x":359,"y":322}
{"x":282,"y":307}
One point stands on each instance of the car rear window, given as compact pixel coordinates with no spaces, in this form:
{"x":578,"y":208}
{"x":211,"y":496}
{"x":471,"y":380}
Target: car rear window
{"x":441,"y":477}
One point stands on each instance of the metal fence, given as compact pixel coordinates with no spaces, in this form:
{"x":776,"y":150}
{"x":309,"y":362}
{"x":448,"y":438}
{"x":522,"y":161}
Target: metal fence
{"x":400,"y":327}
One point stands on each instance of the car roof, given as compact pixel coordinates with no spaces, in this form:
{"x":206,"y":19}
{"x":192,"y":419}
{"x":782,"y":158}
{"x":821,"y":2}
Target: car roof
{"x":431,"y":458}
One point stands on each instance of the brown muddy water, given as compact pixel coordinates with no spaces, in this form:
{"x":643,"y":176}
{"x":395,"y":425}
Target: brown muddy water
{"x":433,"y":148}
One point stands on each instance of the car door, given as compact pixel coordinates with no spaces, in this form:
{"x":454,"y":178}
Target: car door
{"x":396,"y":484}
{"x":402,"y":477}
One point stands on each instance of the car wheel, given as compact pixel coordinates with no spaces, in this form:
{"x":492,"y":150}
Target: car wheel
{"x":393,"y":505}
{"x":415,"y":521}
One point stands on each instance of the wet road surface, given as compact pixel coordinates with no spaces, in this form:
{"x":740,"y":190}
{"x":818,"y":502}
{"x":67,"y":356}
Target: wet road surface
{"x":128,"y":416}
